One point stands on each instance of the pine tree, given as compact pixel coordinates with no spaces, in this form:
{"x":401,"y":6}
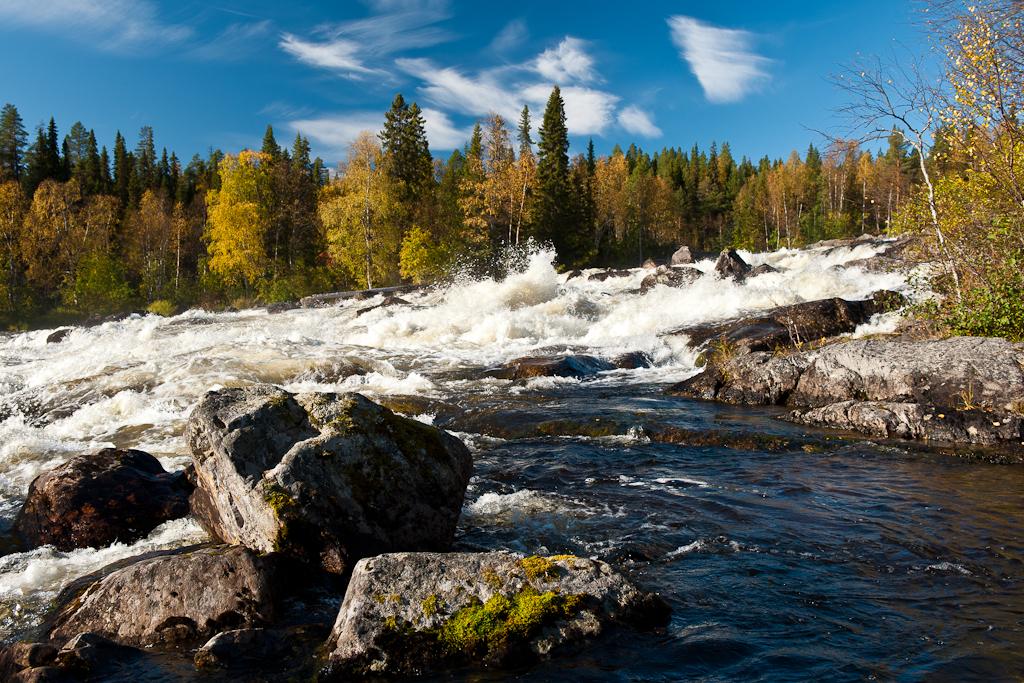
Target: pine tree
{"x":554,"y":215}
{"x":51,"y":157}
{"x":591,"y":158}
{"x":13,"y":138}
{"x":106,"y":182}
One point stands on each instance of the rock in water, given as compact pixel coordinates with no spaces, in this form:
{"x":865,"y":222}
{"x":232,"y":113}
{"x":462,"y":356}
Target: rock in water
{"x":731,"y":265}
{"x":93,"y":500}
{"x":325,"y":478}
{"x":681,"y":257}
{"x":407,"y":613}
{"x":554,"y":366}
{"x":173,"y":598}
{"x":670,"y":277}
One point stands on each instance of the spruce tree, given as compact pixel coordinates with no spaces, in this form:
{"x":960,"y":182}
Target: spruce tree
{"x":124,"y":169}
{"x":523,"y":136}
{"x":554,"y":215}
{"x":13,"y":139}
{"x":270,"y":146}
{"x":406,"y":151}
{"x":52,"y":163}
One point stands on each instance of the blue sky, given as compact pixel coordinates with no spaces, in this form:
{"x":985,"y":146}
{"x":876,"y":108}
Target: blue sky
{"x":655,"y":73}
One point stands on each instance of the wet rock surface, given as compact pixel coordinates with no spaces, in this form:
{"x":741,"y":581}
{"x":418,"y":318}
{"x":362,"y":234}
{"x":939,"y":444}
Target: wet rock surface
{"x":670,"y":277}
{"x":960,"y":390}
{"x":681,"y":256}
{"x":407,"y":613}
{"x":793,"y":325}
{"x":96,"y":499}
{"x":731,"y":265}
{"x":557,"y":366}
{"x":324,"y":478}
{"x":171,"y":598}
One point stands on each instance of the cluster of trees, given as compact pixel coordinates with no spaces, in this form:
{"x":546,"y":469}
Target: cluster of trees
{"x":86,"y":232}
{"x":968,"y":139}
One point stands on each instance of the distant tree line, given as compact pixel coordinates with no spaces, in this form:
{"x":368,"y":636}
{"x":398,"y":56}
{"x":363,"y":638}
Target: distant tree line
{"x":86,"y":231}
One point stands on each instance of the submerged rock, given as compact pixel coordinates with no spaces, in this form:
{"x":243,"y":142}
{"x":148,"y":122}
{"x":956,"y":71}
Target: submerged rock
{"x":93,"y":500}
{"x":555,"y":366}
{"x":961,"y":390}
{"x":762,"y":269}
{"x":793,"y":325}
{"x":633,"y":360}
{"x":260,"y":649}
{"x":670,"y":277}
{"x":172,"y":598}
{"x":325,"y":478}
{"x":731,"y":265}
{"x":604,"y":275}
{"x":409,"y":613}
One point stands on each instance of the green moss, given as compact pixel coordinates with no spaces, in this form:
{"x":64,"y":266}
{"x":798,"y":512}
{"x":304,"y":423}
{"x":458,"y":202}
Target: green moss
{"x":479,"y":630}
{"x":492,"y":579}
{"x":284,"y":505}
{"x":431,"y":605}
{"x":539,"y":568}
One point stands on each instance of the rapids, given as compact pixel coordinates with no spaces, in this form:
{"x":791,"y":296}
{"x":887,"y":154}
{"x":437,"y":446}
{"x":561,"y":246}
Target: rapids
{"x":860,"y":560}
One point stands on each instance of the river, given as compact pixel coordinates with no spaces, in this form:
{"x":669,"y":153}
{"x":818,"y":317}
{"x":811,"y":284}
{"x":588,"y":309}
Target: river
{"x":845,"y":561}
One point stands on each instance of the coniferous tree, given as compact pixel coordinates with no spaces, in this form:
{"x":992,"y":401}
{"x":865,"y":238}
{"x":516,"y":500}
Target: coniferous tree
{"x":13,"y":139}
{"x":554,"y":213}
{"x":270,"y":146}
{"x":524,"y":136}
{"x":124,"y":169}
{"x":406,"y":151}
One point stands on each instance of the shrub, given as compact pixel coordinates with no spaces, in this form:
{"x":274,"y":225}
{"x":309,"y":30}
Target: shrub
{"x":163,"y":307}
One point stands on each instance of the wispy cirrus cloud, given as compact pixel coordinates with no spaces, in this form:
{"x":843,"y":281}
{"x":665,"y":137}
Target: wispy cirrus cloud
{"x":112,"y":25}
{"x":514,"y":34}
{"x":335,"y":133}
{"x":235,"y":42}
{"x":355,"y":48}
{"x":722,"y":59}
{"x":636,"y":120}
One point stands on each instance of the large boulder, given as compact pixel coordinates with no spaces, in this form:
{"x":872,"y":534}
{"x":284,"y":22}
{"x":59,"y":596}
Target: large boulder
{"x":324,"y":478}
{"x":670,"y":277}
{"x":731,"y":265}
{"x":95,"y":499}
{"x":578,"y":366}
{"x":962,"y":389}
{"x":793,"y":325}
{"x":407,"y":613}
{"x":172,"y":598}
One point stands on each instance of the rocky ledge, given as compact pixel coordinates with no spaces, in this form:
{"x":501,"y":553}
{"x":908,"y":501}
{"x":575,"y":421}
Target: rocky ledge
{"x":408,"y":613}
{"x":963,"y":390}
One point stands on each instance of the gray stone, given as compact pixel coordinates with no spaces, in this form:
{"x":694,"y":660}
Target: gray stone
{"x":324,"y":478}
{"x":731,"y":265}
{"x":408,"y":613}
{"x":670,"y":277}
{"x":682,"y":256}
{"x":172,"y":598}
{"x":578,"y":366}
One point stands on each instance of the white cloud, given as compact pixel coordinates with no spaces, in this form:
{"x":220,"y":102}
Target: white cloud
{"x":587,"y":111}
{"x":235,"y":42}
{"x":115,"y":25}
{"x":720,"y":58}
{"x":338,"y":54}
{"x":566,"y":63}
{"x":441,"y":133}
{"x":513,"y":35}
{"x":451,"y":89}
{"x":636,"y":120}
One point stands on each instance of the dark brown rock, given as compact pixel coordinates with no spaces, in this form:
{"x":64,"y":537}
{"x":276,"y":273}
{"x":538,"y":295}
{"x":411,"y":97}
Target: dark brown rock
{"x":170,"y":598}
{"x":632,"y":361}
{"x":93,"y":500}
{"x":323,"y":478}
{"x":670,"y":277}
{"x":602,"y":276}
{"x":731,"y":265}
{"x":557,"y":366}
{"x":57,"y":336}
{"x":792,"y":325}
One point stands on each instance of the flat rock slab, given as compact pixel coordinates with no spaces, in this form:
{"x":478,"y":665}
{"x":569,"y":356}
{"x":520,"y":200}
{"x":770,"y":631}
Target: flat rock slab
{"x":173,"y":598}
{"x":408,"y":613}
{"x":323,"y":478}
{"x":95,"y":499}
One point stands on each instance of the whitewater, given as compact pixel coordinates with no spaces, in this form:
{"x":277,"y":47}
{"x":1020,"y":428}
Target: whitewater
{"x":686,"y":521}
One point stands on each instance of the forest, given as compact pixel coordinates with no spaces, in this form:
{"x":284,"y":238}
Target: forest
{"x":87,"y":232}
